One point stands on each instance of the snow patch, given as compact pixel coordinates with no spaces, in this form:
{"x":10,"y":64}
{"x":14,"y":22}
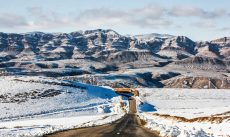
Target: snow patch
{"x":187,"y":103}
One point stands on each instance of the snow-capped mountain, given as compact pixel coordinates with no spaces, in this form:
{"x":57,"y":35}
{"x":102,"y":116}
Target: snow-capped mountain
{"x":96,"y":43}
{"x":101,"y":51}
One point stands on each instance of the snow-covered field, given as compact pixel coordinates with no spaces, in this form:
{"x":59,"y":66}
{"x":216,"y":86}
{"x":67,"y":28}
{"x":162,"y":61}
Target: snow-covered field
{"x":39,"y":127}
{"x":186,"y":112}
{"x":33,"y":106}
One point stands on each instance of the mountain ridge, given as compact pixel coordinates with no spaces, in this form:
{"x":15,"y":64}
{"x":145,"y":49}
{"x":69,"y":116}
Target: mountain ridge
{"x":94,"y":43}
{"x":101,"y":52}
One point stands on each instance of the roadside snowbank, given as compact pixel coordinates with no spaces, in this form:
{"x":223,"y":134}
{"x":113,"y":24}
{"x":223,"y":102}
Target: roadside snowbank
{"x":32,"y":106}
{"x":186,"y":112}
{"x":174,"y":128}
{"x":188,"y":103}
{"x":40,"y":127}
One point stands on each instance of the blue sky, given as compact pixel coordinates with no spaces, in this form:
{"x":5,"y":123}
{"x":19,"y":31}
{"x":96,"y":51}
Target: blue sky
{"x":197,"y":19}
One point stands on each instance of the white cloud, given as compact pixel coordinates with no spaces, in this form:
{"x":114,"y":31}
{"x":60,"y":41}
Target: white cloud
{"x":46,"y":18}
{"x":186,"y":11}
{"x":149,"y":16}
{"x":12,"y":20}
{"x":152,"y":16}
{"x":204,"y":24}
{"x":151,"y":11}
{"x":224,"y":29}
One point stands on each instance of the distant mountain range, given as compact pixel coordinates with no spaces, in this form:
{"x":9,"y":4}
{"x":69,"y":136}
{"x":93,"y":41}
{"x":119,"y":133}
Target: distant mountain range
{"x":101,"y":51}
{"x":105,"y":43}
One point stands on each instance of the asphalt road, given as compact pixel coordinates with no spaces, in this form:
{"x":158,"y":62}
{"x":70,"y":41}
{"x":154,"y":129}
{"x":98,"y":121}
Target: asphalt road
{"x":128,"y":126}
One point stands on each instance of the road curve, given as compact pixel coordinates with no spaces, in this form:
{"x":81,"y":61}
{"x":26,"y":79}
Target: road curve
{"x":128,"y":126}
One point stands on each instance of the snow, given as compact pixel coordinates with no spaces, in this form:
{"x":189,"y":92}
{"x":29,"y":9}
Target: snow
{"x":40,"y":127}
{"x":168,"y":127}
{"x":153,"y":36}
{"x":33,"y":106}
{"x":166,"y":105}
{"x":188,"y":103}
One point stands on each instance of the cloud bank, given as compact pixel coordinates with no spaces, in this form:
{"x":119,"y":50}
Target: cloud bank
{"x":152,"y":16}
